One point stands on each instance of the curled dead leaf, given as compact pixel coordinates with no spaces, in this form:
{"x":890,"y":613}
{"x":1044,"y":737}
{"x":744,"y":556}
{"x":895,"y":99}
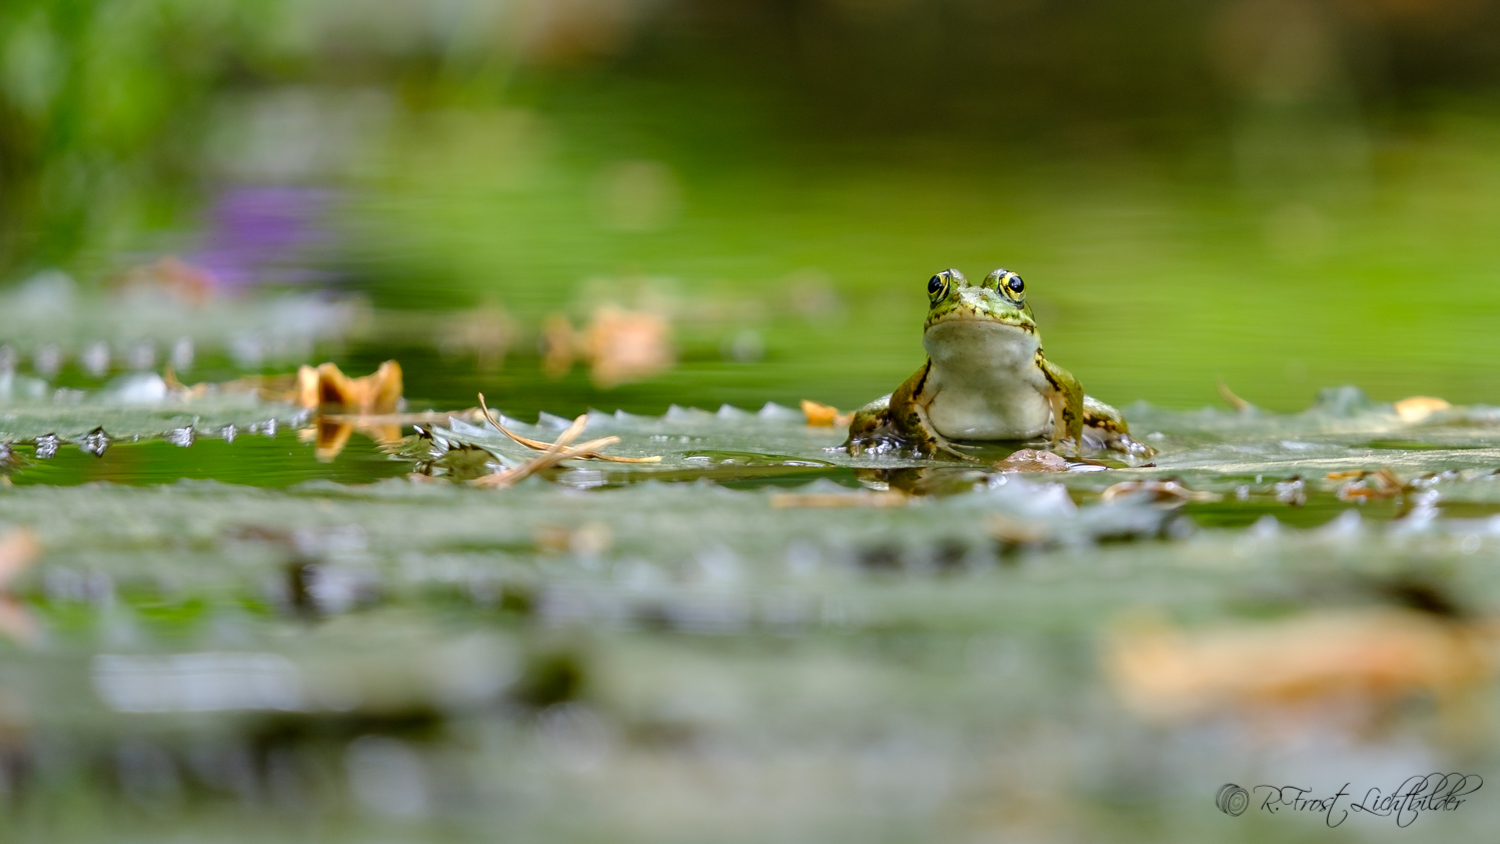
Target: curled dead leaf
{"x":326,"y":386}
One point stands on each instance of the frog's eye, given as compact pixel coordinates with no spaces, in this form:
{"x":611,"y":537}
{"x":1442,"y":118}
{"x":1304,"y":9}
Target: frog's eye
{"x":1016,"y":285}
{"x":937,"y":286}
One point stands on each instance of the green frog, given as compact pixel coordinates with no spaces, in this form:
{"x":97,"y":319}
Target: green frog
{"x":986,"y":379}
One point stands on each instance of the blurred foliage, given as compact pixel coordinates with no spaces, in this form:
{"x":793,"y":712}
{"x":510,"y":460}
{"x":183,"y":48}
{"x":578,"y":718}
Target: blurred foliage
{"x":101,"y":106}
{"x":109,"y":111}
{"x":1246,"y":179}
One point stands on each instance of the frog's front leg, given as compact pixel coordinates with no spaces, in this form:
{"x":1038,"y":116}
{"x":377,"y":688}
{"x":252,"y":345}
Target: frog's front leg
{"x":909,"y":417}
{"x":1106,"y":427}
{"x":901,"y":416}
{"x":1065,"y":395}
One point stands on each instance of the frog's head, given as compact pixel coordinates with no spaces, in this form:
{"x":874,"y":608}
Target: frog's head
{"x":998,"y":300}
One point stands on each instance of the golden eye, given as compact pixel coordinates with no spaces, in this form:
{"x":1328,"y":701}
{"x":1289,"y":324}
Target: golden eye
{"x":937,"y":286}
{"x":1016,"y":285}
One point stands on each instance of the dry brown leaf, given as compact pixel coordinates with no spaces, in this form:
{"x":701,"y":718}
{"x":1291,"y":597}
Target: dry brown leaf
{"x":824,"y":415}
{"x":837,"y":500}
{"x":1369,"y":656}
{"x":1417,"y":408}
{"x":1032,"y":460}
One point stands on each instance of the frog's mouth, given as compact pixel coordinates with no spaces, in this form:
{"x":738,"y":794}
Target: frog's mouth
{"x":963,"y":321}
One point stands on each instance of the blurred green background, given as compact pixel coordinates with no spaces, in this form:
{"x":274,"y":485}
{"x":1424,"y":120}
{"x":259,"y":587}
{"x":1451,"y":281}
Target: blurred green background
{"x":1285,"y":193}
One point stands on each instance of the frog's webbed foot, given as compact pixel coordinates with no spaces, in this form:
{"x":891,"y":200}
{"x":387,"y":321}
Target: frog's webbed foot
{"x":1104,"y":427}
{"x":869,"y":427}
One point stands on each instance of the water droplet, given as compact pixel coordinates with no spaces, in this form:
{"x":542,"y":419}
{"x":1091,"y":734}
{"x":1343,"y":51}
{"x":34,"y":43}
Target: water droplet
{"x":183,"y":436}
{"x":95,"y":442}
{"x":228,"y":433}
{"x":46,"y":446}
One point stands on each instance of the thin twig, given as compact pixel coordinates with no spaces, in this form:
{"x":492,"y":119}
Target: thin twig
{"x":539,"y":445}
{"x":556,"y":453}
{"x":1228,"y":395}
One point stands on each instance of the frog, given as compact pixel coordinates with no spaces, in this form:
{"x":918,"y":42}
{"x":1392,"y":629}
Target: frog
{"x":986,"y":379}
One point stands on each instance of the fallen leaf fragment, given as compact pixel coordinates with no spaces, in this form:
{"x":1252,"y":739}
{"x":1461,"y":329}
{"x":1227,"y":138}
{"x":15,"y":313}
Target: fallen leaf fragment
{"x":538,"y":445}
{"x":327,"y":386}
{"x":1370,"y":486}
{"x":591,"y":539}
{"x":839,"y":500}
{"x":1162,"y":492}
{"x":1033,"y":460}
{"x":558,"y":346}
{"x":624,"y":346}
{"x":1417,"y":408}
{"x":1358,"y":656}
{"x":825,"y":415}
{"x":18,"y":550}
{"x":1013,"y":532}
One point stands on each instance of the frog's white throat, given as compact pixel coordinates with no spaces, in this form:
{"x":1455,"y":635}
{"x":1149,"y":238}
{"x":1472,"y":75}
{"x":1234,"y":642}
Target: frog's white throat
{"x":984,"y":383}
